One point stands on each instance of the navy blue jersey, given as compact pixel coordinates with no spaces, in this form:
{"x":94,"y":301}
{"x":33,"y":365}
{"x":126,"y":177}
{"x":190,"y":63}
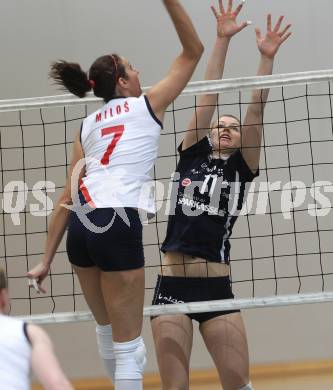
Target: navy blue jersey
{"x":207,"y":196}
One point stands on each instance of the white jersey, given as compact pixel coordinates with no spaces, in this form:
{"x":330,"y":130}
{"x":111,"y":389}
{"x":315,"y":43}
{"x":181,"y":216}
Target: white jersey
{"x":120,"y":144}
{"x":15,"y":355}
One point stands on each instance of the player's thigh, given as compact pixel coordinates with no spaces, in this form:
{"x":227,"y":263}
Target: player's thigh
{"x":225,"y":338}
{"x":90,"y":281}
{"x":123,"y":293}
{"x":173,"y":337}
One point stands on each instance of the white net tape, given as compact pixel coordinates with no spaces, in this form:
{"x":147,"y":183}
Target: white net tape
{"x":195,"y":88}
{"x":195,"y":307}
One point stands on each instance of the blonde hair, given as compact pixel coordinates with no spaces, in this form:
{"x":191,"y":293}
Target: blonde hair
{"x":3,"y":279}
{"x":214,"y":123}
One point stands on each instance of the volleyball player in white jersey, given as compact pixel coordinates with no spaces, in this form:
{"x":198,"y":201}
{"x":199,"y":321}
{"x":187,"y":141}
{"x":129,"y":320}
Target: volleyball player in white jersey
{"x":196,"y":262}
{"x":24,"y":347}
{"x":119,"y":144}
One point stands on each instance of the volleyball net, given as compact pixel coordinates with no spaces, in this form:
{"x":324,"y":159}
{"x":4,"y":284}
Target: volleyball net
{"x":282,"y":241}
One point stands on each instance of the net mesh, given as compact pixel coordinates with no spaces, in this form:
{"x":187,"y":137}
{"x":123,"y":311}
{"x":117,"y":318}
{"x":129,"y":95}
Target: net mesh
{"x":281,"y":242}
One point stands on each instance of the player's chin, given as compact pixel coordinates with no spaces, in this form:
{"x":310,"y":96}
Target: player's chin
{"x":223,"y":144}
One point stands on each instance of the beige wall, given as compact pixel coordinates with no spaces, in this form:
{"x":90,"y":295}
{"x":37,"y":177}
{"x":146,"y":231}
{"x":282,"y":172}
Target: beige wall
{"x":281,"y":334}
{"x":36,"y":34}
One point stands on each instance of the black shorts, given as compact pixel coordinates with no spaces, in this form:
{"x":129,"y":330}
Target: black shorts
{"x":117,"y":249}
{"x":174,"y":289}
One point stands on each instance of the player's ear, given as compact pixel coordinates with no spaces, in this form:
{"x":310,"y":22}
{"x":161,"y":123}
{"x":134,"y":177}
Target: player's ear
{"x":122,"y":82}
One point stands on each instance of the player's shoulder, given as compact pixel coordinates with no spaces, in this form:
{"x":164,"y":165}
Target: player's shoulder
{"x":36,"y":333}
{"x":4,"y":319}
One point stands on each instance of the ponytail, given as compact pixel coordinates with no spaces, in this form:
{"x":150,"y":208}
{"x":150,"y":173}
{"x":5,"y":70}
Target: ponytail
{"x":104,"y":74}
{"x":70,"y":76}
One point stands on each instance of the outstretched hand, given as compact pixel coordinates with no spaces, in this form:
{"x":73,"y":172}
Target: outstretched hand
{"x":227,"y":25}
{"x":269,"y":44}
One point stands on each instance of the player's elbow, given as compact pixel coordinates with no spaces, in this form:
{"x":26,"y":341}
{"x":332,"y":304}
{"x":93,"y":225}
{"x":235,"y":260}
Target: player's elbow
{"x":195,"y":52}
{"x":200,"y":48}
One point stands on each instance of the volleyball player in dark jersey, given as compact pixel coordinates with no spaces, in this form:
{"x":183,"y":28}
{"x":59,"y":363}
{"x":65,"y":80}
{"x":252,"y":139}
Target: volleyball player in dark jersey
{"x":109,"y":263}
{"x":210,"y":188}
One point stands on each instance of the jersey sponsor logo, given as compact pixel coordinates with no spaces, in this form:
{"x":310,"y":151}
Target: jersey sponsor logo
{"x":186,"y":182}
{"x":168,"y":299}
{"x":199,"y":206}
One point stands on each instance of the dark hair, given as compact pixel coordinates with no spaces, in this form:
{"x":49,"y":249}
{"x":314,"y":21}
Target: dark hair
{"x":104,"y":74}
{"x":3,"y":280}
{"x":229,"y":115}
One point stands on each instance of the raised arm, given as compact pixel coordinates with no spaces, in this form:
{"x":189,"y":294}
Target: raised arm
{"x":165,"y":92}
{"x":227,"y":27}
{"x":44,"y":362}
{"x":58,"y":222}
{"x":268,"y":46}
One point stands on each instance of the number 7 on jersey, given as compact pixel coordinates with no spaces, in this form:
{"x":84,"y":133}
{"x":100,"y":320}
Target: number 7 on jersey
{"x":118,"y":132}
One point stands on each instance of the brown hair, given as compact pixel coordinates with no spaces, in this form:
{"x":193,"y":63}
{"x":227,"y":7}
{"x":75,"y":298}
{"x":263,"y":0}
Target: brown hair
{"x":104,"y":74}
{"x":3,"y":279}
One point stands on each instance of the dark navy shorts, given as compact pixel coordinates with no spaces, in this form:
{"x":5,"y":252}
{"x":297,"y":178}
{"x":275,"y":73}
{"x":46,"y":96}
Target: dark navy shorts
{"x":174,"y":289}
{"x":119,"y":248}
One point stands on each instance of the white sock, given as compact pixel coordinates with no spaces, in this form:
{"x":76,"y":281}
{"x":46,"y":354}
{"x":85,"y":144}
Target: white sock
{"x":128,"y":384}
{"x":105,"y":349}
{"x":130,"y":362}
